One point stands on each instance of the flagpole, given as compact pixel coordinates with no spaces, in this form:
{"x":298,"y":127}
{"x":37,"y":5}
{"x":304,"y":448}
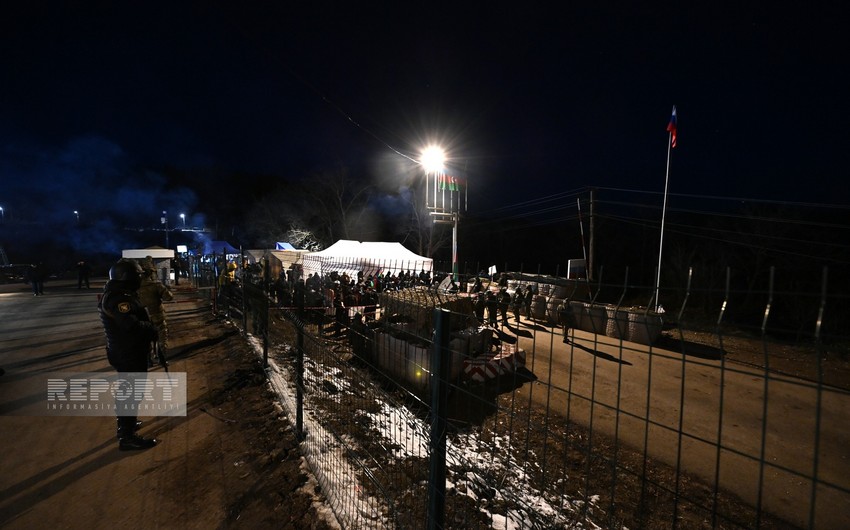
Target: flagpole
{"x":581,"y":231}
{"x":663,"y":218}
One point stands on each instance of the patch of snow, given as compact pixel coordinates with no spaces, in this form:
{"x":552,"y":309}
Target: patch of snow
{"x":472,"y":463}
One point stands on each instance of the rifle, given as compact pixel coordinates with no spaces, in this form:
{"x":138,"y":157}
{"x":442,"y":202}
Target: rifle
{"x":160,"y":356}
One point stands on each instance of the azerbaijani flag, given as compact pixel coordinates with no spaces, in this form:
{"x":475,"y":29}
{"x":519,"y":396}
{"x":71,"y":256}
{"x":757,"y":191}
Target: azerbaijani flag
{"x":447,"y":182}
{"x":671,"y":128}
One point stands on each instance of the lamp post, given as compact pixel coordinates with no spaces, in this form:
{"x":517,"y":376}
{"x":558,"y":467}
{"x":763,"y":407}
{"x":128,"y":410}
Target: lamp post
{"x":2,"y":214}
{"x":183,"y":218}
{"x":433,"y":160}
{"x":164,"y":221}
{"x":77,"y":215}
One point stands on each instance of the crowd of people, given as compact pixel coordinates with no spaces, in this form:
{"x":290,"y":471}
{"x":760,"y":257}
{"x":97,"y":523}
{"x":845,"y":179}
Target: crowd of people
{"x":337,"y":291}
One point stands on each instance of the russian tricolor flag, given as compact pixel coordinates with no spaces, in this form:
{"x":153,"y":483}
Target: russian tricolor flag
{"x":671,"y":128}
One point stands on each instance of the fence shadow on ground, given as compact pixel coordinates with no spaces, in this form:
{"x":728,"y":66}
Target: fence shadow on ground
{"x":691,"y":349}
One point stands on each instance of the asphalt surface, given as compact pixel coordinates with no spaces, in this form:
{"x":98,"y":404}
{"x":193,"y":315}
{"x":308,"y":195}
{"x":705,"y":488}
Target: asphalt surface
{"x":67,"y":471}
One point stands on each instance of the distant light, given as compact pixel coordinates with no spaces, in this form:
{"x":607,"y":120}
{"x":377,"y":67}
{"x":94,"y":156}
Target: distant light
{"x":433,"y":159}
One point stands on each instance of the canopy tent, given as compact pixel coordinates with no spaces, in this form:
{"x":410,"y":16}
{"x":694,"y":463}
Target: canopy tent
{"x":280,"y":245}
{"x":283,"y":260}
{"x":371,"y":257}
{"x":219,"y":247}
{"x":161,"y":258}
{"x":255,"y":255}
{"x":142,"y":253}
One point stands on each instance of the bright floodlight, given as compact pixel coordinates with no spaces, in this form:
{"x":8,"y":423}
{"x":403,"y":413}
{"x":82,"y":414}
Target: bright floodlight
{"x":433,"y":159}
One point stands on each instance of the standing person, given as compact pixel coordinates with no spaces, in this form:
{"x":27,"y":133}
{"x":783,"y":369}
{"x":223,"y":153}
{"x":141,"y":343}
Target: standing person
{"x":517,"y":302}
{"x":36,"y":276}
{"x":152,"y":293}
{"x":492,"y":307}
{"x":529,"y":297}
{"x":504,"y":301}
{"x":566,"y":318}
{"x":340,"y":312}
{"x":83,"y":273}
{"x":479,"y":306}
{"x":129,"y":333}
{"x":175,"y":265}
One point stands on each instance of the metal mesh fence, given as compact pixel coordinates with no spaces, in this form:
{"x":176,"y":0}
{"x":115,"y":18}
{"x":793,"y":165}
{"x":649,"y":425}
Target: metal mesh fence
{"x":573,"y":406}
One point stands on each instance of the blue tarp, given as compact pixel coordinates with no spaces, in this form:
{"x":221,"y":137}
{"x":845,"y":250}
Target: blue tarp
{"x":219,"y":247}
{"x":280,"y":245}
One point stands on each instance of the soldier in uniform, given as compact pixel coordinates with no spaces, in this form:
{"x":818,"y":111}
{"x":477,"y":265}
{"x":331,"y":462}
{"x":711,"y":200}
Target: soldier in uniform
{"x":566,"y":318}
{"x":517,"y":302}
{"x":152,"y":293}
{"x":129,"y":333}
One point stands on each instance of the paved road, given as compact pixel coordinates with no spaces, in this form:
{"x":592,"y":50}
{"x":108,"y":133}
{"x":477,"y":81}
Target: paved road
{"x":609,"y":386}
{"x":67,"y":472}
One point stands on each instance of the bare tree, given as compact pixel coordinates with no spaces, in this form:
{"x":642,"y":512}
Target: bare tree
{"x":336,"y":204}
{"x":303,"y":238}
{"x":269,"y":219}
{"x":419,"y":230}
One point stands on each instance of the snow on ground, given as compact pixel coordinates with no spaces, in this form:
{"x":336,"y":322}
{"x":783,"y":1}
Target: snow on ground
{"x":326,"y":457}
{"x":471,"y":463}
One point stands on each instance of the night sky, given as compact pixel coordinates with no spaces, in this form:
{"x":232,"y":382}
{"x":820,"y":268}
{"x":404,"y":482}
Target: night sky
{"x":99,"y":100}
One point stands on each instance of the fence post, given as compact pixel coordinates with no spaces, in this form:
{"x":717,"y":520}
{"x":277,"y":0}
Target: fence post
{"x":819,"y":409}
{"x":265,"y":317}
{"x":299,"y":360}
{"x":242,"y":275}
{"x":439,"y":396}
{"x":266,"y":309}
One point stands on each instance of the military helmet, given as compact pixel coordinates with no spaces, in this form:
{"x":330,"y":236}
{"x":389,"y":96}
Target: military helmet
{"x":128,"y":271}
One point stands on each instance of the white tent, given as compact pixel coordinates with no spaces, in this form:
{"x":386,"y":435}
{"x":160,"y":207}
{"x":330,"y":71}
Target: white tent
{"x":142,"y":253}
{"x":161,"y":258}
{"x":283,"y":260}
{"x":371,"y":257}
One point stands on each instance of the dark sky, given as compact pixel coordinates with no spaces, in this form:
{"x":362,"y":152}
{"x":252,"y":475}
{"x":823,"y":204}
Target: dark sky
{"x":98,"y":97}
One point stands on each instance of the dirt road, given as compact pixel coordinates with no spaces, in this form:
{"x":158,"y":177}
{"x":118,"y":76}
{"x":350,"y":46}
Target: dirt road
{"x":615,"y":390}
{"x":232,"y":461}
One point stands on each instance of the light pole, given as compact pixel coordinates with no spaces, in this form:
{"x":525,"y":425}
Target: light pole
{"x":433,"y":160}
{"x":164,"y":221}
{"x":77,"y":215}
{"x":2,"y":214}
{"x":183,"y":218}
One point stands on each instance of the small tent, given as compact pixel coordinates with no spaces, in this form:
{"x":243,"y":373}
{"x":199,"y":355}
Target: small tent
{"x":283,"y":260}
{"x":219,"y":247}
{"x":371,"y":257}
{"x":161,"y":258}
{"x":155,"y":253}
